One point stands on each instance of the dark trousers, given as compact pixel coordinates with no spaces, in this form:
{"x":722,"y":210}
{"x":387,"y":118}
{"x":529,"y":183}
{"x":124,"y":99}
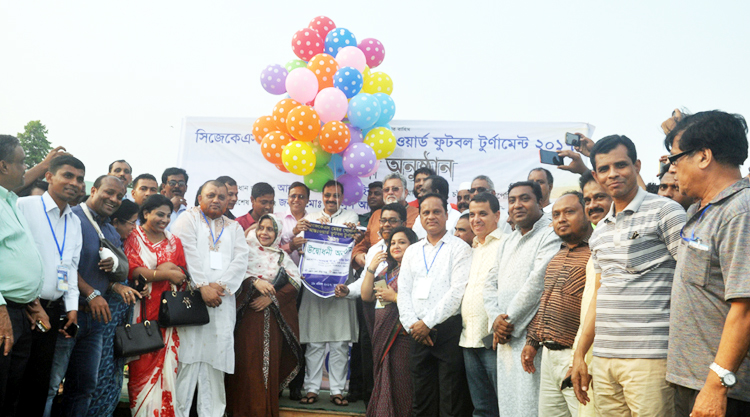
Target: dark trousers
{"x":361,"y":379}
{"x":438,"y":374}
{"x":299,"y":380}
{"x":36,"y":377}
{"x":12,"y":366}
{"x":684,"y":399}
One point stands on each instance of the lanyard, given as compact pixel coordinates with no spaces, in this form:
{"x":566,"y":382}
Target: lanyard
{"x":388,"y":281}
{"x":692,"y":235}
{"x":433,"y":259}
{"x":211,"y":231}
{"x":65,"y":231}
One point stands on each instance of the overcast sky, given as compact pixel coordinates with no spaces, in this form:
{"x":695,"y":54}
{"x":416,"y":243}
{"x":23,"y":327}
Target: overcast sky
{"x":113,"y":80}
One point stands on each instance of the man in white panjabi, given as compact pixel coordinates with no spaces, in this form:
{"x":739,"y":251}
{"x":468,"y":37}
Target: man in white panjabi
{"x":331,"y":321}
{"x":216,"y":253}
{"x":512,"y":296}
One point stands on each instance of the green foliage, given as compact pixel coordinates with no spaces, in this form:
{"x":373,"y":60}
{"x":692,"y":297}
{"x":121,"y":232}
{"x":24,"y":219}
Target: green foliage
{"x":34,"y":142}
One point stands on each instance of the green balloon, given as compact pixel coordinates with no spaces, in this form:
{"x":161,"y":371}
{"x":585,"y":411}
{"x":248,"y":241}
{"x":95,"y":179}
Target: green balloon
{"x":321,"y":157}
{"x":294,"y":64}
{"x":318,"y":178}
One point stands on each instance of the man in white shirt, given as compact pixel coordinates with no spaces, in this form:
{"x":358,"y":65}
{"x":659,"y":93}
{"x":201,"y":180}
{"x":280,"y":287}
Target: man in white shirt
{"x":481,"y":362}
{"x":57,"y":235}
{"x":216,"y":253}
{"x":433,"y":277}
{"x":174,"y":186}
{"x":339,"y":327}
{"x":546,"y":181}
{"x":436,"y":184}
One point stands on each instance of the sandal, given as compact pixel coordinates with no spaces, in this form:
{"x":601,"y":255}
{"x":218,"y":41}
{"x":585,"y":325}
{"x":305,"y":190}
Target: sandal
{"x":339,"y":400}
{"x":309,"y":399}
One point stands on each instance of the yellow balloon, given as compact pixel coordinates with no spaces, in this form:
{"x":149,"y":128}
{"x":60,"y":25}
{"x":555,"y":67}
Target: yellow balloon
{"x":366,"y":72}
{"x":298,"y":158}
{"x":378,"y":82}
{"x":382,"y":141}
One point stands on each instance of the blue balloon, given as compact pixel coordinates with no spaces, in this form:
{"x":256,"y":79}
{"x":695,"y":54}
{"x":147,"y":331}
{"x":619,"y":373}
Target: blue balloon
{"x":339,"y":38}
{"x":349,"y":80}
{"x":364,"y":111}
{"x":337,"y":165}
{"x":387,"y":108}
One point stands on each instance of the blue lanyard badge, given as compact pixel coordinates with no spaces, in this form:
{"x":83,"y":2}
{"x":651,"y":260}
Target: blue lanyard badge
{"x":62,"y":272}
{"x":214,"y":257}
{"x":433,"y":259}
{"x":692,"y":240}
{"x":216,"y":240}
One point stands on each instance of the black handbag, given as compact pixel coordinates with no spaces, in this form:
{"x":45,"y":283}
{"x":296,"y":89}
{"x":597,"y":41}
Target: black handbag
{"x":182,"y":308}
{"x":282,"y":278}
{"x":119,"y":274}
{"x":138,"y":338}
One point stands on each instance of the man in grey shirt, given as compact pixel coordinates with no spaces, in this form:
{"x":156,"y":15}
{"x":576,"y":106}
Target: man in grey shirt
{"x":709,"y":330}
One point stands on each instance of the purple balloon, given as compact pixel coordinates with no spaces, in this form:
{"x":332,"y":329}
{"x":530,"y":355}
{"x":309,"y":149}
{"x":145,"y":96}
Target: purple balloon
{"x":273,"y":79}
{"x":356,"y":135}
{"x":359,"y":159}
{"x":353,"y":189}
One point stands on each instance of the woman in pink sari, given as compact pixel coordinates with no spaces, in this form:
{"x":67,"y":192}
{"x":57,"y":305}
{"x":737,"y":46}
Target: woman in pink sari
{"x":156,"y":256}
{"x":392,"y":391}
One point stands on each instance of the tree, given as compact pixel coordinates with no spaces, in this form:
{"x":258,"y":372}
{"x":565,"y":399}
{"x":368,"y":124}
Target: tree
{"x":34,"y":142}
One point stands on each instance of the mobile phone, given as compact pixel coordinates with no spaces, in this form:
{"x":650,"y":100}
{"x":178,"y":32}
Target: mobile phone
{"x":139,"y":284}
{"x":567,"y":383}
{"x":487,"y":341}
{"x":72,"y":329}
{"x":572,"y":139}
{"x":550,"y":157}
{"x":41,"y":327}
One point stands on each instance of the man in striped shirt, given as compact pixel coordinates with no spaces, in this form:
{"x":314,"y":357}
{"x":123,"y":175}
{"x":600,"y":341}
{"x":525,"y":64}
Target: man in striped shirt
{"x":633,"y":250}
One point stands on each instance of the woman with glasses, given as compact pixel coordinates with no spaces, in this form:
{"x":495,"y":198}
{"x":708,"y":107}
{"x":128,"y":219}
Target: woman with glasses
{"x":157,"y":262}
{"x":125,"y":219}
{"x":392,"y":391}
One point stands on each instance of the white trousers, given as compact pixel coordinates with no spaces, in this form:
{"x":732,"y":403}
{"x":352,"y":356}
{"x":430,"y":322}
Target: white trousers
{"x":212,"y":400}
{"x":552,"y":401}
{"x":337,"y":366}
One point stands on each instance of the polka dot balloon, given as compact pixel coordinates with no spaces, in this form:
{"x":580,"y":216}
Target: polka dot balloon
{"x":331,"y":104}
{"x":324,"y":67}
{"x":294,"y":64}
{"x":337,"y":39}
{"x":378,"y":82}
{"x":373,"y":50}
{"x":334,"y":137}
{"x":303,"y":123}
{"x":359,"y":159}
{"x":353,"y":189}
{"x":272,"y":146}
{"x":280,"y":111}
{"x":322,"y":25}
{"x":387,"y":108}
{"x":273,"y":79}
{"x":263,"y":126}
{"x":382,"y":141}
{"x":348,"y":80}
{"x":306,"y":43}
{"x":364,"y":111}
{"x":298,"y":158}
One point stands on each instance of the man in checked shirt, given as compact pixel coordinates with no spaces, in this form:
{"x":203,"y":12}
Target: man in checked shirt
{"x":556,"y":322}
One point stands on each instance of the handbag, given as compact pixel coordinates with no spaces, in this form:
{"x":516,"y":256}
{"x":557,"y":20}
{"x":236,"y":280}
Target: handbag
{"x":138,"y":338}
{"x":281,"y":278}
{"x":182,"y":308}
{"x":120,"y":271}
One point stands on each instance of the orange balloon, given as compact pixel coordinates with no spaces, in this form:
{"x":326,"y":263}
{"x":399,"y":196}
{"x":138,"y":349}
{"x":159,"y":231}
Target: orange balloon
{"x":281,"y":168}
{"x":263,"y":126}
{"x":303,"y":123}
{"x":324,"y":67}
{"x":272,"y":145}
{"x":334,"y":137}
{"x":281,"y":110}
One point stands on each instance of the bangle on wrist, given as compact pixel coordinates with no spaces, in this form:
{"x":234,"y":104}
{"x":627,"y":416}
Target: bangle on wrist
{"x":370,"y":271}
{"x":154,"y":277}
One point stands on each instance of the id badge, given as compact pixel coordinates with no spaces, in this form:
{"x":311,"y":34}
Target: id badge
{"x":423,"y":289}
{"x":214,"y":260}
{"x":62,"y":278}
{"x":696,"y":244}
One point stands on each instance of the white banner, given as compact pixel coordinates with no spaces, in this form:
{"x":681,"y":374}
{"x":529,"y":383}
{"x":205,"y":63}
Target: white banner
{"x":458,"y":151}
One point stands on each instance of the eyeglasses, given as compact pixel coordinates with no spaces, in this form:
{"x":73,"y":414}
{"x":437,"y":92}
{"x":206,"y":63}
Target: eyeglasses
{"x":674,"y":158}
{"x":132,"y":223}
{"x":389,"y":189}
{"x":477,"y":190}
{"x":174,"y":183}
{"x":392,"y":221}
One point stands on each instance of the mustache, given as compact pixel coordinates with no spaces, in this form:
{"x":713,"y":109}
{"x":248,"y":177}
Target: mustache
{"x":596,"y":210}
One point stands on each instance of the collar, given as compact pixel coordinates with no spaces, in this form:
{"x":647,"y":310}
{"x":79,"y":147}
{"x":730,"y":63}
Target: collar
{"x":632,"y":207}
{"x":496,"y":234}
{"x":339,"y":211}
{"x":733,"y":189}
{"x":8,"y":195}
{"x":51,"y":205}
{"x":543,"y":222}
{"x":584,"y":242}
{"x":99,"y":219}
{"x":443,"y":239}
{"x":288,"y":213}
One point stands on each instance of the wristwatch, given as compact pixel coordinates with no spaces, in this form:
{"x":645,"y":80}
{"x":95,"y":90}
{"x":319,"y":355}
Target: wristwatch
{"x":93,"y":295}
{"x":728,"y":379}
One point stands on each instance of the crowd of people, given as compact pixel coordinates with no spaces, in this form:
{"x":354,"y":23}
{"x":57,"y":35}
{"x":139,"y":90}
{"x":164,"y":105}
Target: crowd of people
{"x":608,"y":301}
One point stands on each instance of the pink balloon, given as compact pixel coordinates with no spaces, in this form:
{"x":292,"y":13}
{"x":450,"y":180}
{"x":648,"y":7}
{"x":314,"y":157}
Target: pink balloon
{"x":351,"y":56}
{"x":322,"y":24}
{"x":307,"y":43}
{"x":302,"y":85}
{"x":373,"y":50}
{"x":331,"y":104}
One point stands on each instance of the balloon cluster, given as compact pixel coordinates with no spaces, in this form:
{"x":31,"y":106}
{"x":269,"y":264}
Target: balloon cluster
{"x":334,"y":122}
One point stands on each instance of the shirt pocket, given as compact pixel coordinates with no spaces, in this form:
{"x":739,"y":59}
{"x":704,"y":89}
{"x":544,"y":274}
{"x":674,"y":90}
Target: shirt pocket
{"x":696,"y":266}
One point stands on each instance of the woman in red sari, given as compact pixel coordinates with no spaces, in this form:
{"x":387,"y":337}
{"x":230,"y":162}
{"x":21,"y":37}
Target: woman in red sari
{"x":392,"y":391}
{"x":156,"y":256}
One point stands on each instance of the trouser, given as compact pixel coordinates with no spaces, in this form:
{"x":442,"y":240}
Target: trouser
{"x":481,"y":374}
{"x":60,"y":360}
{"x":438,"y":374}
{"x":337,"y":364}
{"x":36,"y":377}
{"x":361,"y":378}
{"x":212,"y":399}
{"x":299,"y":380}
{"x":552,"y":401}
{"x":12,"y":366}
{"x":684,"y":399}
{"x":632,"y":387}
{"x":83,"y":367}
